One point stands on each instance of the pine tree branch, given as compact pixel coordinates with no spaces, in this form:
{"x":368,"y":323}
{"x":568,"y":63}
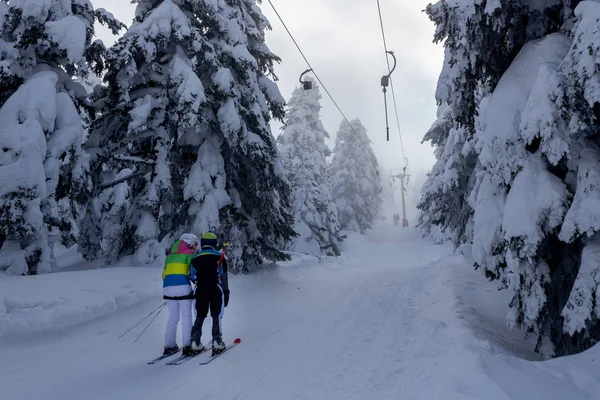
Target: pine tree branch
{"x":133,"y":159}
{"x":121,"y":157}
{"x":121,"y":180}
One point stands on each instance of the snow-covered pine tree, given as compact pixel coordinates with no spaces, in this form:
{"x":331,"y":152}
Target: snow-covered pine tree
{"x":44,"y":47}
{"x":532,"y":187}
{"x":578,"y":136}
{"x":153,"y":98}
{"x":242,"y":100}
{"x":304,"y":153}
{"x":187,"y":110}
{"x":355,"y":179}
{"x":444,"y":199}
{"x":103,"y":221}
{"x":481,"y":39}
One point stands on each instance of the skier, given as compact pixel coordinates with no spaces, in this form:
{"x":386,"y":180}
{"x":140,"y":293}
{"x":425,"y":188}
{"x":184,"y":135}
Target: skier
{"x":177,"y":290}
{"x":209,"y":272}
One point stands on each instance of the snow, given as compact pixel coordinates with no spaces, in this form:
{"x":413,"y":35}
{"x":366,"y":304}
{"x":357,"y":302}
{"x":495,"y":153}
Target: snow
{"x":20,"y":166}
{"x":584,"y":53}
{"x":3,"y":11}
{"x":224,"y":80}
{"x":38,"y":127}
{"x":48,"y":302}
{"x":229,"y":120}
{"x":502,"y":151}
{"x":583,"y":301}
{"x":534,"y":205}
{"x":165,"y":20}
{"x":240,"y":53}
{"x":147,"y":226}
{"x":70,"y":35}
{"x":68,"y":132}
{"x":394,"y":318}
{"x":206,"y":186}
{"x":33,"y":100}
{"x":148,"y":254}
{"x":583,"y":217}
{"x":450,"y":72}
{"x":142,"y":108}
{"x":487,"y":227}
{"x":541,"y":115}
{"x":271,"y":90}
{"x":12,"y":258}
{"x":190,"y":92}
{"x":38,"y":8}
{"x":492,"y":6}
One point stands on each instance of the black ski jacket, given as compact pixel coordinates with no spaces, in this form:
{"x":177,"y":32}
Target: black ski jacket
{"x":208,"y":269}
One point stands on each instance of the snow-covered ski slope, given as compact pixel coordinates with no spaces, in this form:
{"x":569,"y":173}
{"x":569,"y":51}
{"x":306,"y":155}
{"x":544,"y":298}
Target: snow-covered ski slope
{"x":395,"y":318}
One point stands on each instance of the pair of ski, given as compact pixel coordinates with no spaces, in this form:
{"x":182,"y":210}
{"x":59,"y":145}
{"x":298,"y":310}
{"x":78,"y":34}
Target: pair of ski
{"x":182,"y":359}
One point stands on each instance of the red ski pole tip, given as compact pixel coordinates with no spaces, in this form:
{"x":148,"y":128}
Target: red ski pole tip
{"x":238,"y":340}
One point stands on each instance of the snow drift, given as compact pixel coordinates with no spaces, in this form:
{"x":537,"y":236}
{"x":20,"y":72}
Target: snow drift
{"x":45,"y":302}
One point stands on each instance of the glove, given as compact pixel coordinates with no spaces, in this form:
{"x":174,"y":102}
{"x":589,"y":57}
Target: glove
{"x":226,"y":294}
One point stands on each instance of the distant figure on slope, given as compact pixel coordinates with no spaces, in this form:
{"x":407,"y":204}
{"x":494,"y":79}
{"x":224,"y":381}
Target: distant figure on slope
{"x":177,"y":290}
{"x":209,"y":271}
{"x":396,"y":219}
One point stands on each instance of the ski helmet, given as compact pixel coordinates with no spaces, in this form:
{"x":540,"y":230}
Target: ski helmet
{"x":208,"y":239}
{"x":190,"y":239}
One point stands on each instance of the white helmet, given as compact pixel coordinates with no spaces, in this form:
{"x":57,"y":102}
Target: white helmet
{"x":190,"y":239}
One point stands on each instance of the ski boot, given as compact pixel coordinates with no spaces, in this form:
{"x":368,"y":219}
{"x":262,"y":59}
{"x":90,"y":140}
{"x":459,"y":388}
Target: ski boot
{"x":187,"y":351}
{"x":170,"y":350}
{"x":217,"y":346}
{"x":197,"y":345}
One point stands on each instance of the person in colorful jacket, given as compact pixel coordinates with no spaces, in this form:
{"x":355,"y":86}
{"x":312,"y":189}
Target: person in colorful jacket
{"x":177,"y":290}
{"x":209,"y":272}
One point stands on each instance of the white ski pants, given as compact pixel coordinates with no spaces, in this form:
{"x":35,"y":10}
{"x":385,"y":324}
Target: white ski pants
{"x":176,"y":309}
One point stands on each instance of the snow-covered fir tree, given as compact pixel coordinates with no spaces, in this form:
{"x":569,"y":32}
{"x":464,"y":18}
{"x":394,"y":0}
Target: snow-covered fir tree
{"x":355,"y":180}
{"x":443,"y":194}
{"x":577,"y":136}
{"x":481,"y":39}
{"x":527,"y":186}
{"x":44,"y":47}
{"x":304,"y":153}
{"x":243,"y":98}
{"x":153,"y":98}
{"x":186,"y":109}
{"x":103,"y":221}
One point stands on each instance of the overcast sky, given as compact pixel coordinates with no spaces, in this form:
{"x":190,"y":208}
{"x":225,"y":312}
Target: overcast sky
{"x":342,"y":40}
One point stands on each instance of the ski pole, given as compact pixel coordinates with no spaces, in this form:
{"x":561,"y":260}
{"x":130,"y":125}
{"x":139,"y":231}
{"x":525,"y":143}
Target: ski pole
{"x":225,"y":246}
{"x":143,"y":319}
{"x":149,"y":323}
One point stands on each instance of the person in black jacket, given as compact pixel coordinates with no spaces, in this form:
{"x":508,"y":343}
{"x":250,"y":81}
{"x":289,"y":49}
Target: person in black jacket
{"x":209,"y":271}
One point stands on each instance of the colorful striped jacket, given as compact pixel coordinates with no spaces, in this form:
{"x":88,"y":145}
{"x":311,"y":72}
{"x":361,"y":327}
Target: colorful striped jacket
{"x":177,"y":265}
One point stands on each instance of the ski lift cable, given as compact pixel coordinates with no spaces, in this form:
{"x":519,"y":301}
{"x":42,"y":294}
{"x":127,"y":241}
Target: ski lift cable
{"x":390,"y":77}
{"x":320,"y":81}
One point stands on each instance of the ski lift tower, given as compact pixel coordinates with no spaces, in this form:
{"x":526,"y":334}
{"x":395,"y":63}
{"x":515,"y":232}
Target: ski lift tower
{"x":402,"y":175}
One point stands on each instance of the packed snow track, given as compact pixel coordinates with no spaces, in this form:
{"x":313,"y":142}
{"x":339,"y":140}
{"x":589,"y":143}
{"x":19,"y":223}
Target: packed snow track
{"x":379,"y":323}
